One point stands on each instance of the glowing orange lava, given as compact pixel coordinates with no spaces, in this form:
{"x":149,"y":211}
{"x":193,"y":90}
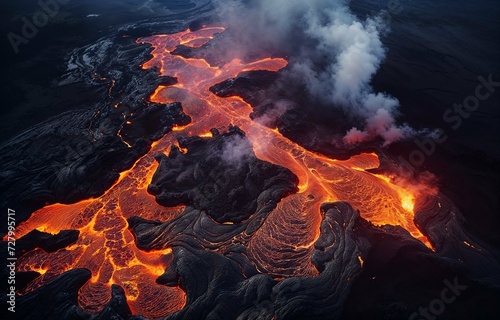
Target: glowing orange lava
{"x":281,"y":247}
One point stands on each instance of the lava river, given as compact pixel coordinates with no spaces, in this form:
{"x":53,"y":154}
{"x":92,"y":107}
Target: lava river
{"x":283,"y":245}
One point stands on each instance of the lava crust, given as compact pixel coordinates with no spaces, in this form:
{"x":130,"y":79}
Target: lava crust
{"x":221,"y":176}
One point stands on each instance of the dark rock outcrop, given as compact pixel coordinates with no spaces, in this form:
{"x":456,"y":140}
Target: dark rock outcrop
{"x":56,"y":300}
{"x":221,"y":176}
{"x":46,"y":241}
{"x":59,"y":300}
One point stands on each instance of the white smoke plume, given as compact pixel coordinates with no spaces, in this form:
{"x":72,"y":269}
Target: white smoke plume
{"x":334,"y":54}
{"x":235,"y":150}
{"x":272,"y":115}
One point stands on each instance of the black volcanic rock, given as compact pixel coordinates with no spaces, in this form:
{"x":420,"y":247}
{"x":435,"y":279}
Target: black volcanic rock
{"x":221,"y":284}
{"x":183,"y":51}
{"x":117,"y":308}
{"x":221,"y":176}
{"x":457,"y":248}
{"x":400,"y":275}
{"x":250,"y":85}
{"x":46,"y":241}
{"x":59,"y":300}
{"x":154,"y":122}
{"x":56,"y":300}
{"x":195,"y":228}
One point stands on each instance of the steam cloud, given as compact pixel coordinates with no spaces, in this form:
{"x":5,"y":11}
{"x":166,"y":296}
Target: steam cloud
{"x":332,"y":52}
{"x":235,"y":150}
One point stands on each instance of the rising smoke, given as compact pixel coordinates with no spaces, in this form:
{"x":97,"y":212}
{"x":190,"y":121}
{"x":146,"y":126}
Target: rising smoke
{"x":331,"y":51}
{"x":234,"y":151}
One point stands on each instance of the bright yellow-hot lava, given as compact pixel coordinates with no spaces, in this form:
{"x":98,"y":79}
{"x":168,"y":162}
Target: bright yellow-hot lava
{"x":281,"y":247}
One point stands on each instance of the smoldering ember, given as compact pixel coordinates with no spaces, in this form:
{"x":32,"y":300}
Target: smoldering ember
{"x":213,"y":159}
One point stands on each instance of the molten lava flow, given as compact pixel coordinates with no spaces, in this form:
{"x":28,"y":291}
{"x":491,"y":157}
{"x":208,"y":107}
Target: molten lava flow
{"x":281,"y":247}
{"x":106,"y":247}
